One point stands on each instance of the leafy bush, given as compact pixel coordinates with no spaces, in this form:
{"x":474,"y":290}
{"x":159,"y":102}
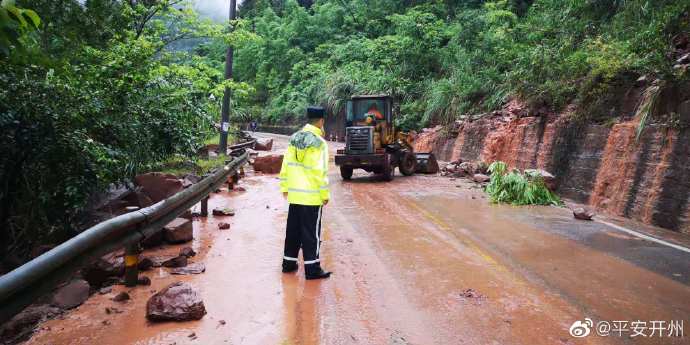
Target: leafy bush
{"x":518,"y":188}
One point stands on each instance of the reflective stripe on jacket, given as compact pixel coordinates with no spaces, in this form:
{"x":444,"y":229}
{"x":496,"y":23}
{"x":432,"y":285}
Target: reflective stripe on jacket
{"x":304,"y":173}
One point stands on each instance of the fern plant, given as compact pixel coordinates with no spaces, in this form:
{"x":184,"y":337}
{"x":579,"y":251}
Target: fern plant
{"x":516,"y":188}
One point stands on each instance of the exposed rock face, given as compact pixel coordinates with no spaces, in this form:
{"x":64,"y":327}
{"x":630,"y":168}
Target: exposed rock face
{"x":71,"y":295}
{"x":180,"y":230}
{"x":177,"y":302}
{"x":158,"y":186}
{"x":268,"y":164}
{"x":603,"y":166}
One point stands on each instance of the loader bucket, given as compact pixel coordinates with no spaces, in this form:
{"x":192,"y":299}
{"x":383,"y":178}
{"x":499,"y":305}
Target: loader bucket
{"x":426,"y":163}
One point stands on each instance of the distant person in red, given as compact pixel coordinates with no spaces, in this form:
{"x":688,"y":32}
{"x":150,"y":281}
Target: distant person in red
{"x":373,"y":110}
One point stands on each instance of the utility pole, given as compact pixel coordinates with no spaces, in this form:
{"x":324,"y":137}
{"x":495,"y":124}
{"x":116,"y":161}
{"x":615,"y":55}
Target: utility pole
{"x":225,"y":110}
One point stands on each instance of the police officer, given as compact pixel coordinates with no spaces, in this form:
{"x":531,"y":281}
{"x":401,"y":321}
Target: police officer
{"x":304,"y":182}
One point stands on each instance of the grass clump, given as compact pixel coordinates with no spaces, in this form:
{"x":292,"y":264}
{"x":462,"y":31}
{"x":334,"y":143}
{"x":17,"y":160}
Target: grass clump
{"x":516,"y":188}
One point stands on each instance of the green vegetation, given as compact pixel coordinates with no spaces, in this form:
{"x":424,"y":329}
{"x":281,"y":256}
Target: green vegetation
{"x":443,"y":59}
{"x":518,"y":188}
{"x":91,"y":95}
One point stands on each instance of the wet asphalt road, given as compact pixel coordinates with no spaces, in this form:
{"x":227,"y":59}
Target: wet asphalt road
{"x":405,"y":254}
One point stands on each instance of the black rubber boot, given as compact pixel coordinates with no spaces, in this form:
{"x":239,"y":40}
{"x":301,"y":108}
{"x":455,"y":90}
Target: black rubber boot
{"x":289,"y":266}
{"x":316,"y":272}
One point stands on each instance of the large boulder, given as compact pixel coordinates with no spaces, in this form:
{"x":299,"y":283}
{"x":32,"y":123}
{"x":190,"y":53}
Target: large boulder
{"x":98,"y":272}
{"x":264,"y":145}
{"x":72,"y":294}
{"x":138,"y":198}
{"x":177,"y":302}
{"x":158,"y":186}
{"x":180,"y":230}
{"x":270,"y":164}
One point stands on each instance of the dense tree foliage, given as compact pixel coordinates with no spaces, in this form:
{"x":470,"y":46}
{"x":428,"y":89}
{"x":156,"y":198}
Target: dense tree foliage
{"x":443,"y":59}
{"x":92,"y":97}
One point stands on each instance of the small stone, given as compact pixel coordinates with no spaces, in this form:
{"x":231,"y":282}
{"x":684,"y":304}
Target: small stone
{"x":143,"y":280}
{"x":222,"y":322}
{"x":105,"y":290}
{"x":582,"y":214}
{"x":187,"y":251}
{"x":240,"y":189}
{"x":178,"y":261}
{"x":195,"y":268}
{"x":223,"y":226}
{"x":121,"y":297}
{"x":223,"y":212}
{"x":481,"y":178}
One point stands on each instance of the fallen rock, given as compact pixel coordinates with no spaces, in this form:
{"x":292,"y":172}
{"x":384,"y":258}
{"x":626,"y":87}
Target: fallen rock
{"x":180,"y":230}
{"x":190,"y":179}
{"x":138,"y":198}
{"x":548,"y":178}
{"x":98,"y":272}
{"x":22,"y":325}
{"x":177,"y":302}
{"x":121,"y":297}
{"x":112,"y":310}
{"x":264,"y":145}
{"x":583,"y":214}
{"x":144,"y":280}
{"x":158,"y":186}
{"x":223,"y":226}
{"x":187,"y":251}
{"x":240,"y":189}
{"x":195,"y":268}
{"x":159,"y":260}
{"x":204,"y":151}
{"x":223,"y":212}
{"x":145,"y":264}
{"x":465,"y":169}
{"x":178,"y":261}
{"x":684,"y":60}
{"x":470,"y":293}
{"x":481,"y":168}
{"x":481,"y":178}
{"x":270,"y":164}
{"x":106,"y":290}
{"x":72,"y":294}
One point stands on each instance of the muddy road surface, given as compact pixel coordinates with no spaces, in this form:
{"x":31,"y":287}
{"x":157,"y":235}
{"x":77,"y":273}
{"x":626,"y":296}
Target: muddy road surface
{"x":419,"y":260}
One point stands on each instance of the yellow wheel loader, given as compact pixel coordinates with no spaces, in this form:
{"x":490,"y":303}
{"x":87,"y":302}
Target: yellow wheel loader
{"x":374,"y":144}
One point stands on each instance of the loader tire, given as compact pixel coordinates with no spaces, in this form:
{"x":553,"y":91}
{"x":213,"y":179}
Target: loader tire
{"x":407,"y":164}
{"x":388,"y":171}
{"x":346,"y":173}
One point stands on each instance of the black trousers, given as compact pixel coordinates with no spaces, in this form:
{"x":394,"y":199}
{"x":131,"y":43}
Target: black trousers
{"x":303,"y":231}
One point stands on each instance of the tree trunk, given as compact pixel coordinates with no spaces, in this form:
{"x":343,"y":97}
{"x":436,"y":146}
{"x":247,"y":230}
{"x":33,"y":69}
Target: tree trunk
{"x":225,"y":111}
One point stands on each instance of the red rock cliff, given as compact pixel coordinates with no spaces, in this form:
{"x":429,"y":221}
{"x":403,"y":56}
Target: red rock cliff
{"x":606,"y":167}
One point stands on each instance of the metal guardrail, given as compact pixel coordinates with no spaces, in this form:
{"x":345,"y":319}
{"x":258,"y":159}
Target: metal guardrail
{"x":28,"y":282}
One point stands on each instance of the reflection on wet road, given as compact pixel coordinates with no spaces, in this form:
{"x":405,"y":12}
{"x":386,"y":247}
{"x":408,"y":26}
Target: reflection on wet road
{"x":405,"y":255}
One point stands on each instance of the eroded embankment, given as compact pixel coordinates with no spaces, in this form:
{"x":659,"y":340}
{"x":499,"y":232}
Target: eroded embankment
{"x":604,"y":165}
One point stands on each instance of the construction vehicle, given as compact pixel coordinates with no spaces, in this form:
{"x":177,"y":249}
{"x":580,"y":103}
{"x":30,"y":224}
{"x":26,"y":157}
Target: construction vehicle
{"x":374,"y":144}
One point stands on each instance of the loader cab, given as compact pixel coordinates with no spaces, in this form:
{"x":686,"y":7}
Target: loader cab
{"x":359,"y":108}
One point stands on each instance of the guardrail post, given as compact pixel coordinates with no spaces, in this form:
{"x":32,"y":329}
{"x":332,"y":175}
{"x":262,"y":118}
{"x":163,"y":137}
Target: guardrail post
{"x":204,"y":207}
{"x":131,"y":263}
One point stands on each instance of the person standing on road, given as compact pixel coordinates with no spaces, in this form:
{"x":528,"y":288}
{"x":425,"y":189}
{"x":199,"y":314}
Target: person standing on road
{"x":304,"y":182}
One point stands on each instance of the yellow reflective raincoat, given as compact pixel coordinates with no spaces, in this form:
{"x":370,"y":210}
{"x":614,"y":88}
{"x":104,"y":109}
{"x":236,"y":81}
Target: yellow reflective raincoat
{"x":303,"y":174}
